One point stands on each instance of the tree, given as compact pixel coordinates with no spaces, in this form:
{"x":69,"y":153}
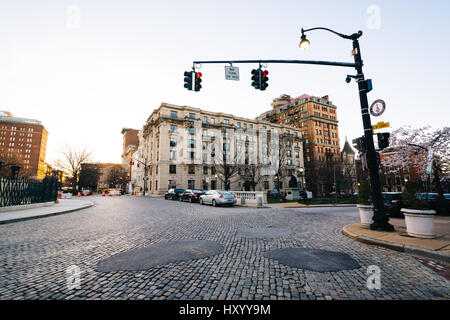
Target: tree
{"x":71,"y":161}
{"x":89,"y":176}
{"x":226,"y":164}
{"x":14,"y":159}
{"x":252,"y":174}
{"x":410,"y":148}
{"x":116,"y":177}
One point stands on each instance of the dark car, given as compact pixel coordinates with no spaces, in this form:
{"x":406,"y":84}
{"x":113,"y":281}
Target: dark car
{"x":168,"y":195}
{"x":191,"y":195}
{"x":176,"y":194}
{"x":393,"y":203}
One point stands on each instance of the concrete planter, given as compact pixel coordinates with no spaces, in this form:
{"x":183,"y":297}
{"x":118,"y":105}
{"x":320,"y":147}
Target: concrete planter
{"x":365,"y":214}
{"x":419,"y":223}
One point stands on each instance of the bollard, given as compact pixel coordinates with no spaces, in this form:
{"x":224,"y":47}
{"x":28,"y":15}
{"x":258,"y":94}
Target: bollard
{"x":242,"y":201}
{"x":260,"y":201}
{"x":103,"y":193}
{"x":79,"y":193}
{"x":85,"y":194}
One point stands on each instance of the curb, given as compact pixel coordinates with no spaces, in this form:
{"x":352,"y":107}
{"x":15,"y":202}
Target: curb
{"x":27,"y":206}
{"x":46,"y":215}
{"x":398,"y":247}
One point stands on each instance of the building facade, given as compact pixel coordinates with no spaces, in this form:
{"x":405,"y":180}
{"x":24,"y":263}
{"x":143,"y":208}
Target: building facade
{"x":189,"y":148}
{"x":316,"y":117}
{"x":23,"y":142}
{"x":129,"y":146}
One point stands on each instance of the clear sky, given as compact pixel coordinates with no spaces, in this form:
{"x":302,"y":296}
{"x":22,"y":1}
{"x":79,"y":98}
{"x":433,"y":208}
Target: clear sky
{"x":88,"y":68}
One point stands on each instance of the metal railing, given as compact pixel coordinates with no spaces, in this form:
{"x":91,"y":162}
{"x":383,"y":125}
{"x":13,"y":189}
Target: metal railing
{"x":21,"y":191}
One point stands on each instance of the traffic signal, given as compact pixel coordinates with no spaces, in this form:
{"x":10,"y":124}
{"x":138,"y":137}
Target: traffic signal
{"x":256,"y":78}
{"x":383,"y":140}
{"x":198,"y":81}
{"x":188,"y":80}
{"x":264,"y":79}
{"x":359,"y":144}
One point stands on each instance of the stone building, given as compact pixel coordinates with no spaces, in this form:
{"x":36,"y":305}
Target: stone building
{"x":186,"y":147}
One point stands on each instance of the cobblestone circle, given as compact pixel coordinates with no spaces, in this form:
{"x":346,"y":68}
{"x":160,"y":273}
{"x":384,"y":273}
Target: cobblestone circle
{"x":36,"y":254}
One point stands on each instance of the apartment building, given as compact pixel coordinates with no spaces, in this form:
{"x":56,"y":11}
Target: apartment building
{"x":23,"y":142}
{"x":186,"y":147}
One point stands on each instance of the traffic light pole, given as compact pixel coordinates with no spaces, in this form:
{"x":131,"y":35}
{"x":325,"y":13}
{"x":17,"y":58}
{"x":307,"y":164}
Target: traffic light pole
{"x":380,"y":220}
{"x":323,"y":63}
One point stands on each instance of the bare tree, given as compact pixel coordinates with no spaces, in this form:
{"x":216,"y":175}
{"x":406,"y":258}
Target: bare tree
{"x":71,"y":161}
{"x":116,"y":177}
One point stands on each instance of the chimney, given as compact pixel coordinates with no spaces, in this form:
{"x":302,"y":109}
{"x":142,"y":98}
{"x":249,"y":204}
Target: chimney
{"x":325,"y":97}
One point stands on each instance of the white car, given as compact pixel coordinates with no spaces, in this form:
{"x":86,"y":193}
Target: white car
{"x":218,"y":197}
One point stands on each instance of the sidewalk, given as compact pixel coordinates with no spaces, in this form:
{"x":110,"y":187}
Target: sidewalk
{"x":437,"y":248}
{"x":301,"y":205}
{"x":64,"y":206}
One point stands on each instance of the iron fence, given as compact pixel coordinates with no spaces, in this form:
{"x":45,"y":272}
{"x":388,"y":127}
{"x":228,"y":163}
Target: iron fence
{"x":20,"y":191}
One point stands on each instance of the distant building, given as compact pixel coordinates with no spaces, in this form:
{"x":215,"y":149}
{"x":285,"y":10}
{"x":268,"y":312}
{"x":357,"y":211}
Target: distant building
{"x":349,"y":171}
{"x":316,"y":117}
{"x":23,"y":142}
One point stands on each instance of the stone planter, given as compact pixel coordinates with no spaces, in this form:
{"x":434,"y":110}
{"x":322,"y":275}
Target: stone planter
{"x":419,"y":223}
{"x":365,"y":214}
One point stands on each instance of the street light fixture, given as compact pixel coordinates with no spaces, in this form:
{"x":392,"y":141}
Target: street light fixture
{"x":380,"y":219}
{"x":304,"y":43}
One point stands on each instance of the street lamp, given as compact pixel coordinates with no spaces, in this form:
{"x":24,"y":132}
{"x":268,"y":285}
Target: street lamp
{"x":380,"y":220}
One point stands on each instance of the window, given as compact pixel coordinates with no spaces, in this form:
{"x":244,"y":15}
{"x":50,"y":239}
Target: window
{"x":205,"y":119}
{"x":191,"y":115}
{"x":266,"y":185}
{"x":192,"y":155}
{"x":205,"y":132}
{"x":251,"y":126}
{"x":289,"y":162}
{"x":238,"y":125}
{"x":173,"y":114}
{"x":191,"y":170}
{"x":264,"y":128}
{"x":226,"y":121}
{"x":245,"y":126}
{"x":173,"y":142}
{"x":205,"y":170}
{"x":288,"y":153}
{"x":226,"y":147}
{"x":204,"y":145}
{"x":191,"y":184}
{"x":191,"y":130}
{"x":172,"y":169}
{"x":297,"y":155}
{"x":173,"y":128}
{"x":191,"y":143}
{"x":213,"y":170}
{"x":212,"y":121}
{"x":172,"y":155}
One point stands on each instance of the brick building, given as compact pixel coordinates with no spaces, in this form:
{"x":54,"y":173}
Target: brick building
{"x":23,"y":142}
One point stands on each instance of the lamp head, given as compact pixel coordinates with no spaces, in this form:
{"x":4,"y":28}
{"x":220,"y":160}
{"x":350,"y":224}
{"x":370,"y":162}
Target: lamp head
{"x":304,"y":43}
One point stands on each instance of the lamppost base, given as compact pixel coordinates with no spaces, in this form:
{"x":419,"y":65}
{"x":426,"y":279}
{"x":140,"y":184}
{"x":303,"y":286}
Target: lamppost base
{"x":382,"y":226}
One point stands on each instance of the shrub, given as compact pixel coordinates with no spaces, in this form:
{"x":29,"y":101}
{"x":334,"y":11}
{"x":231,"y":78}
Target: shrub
{"x":412,"y":190}
{"x":364,"y":193}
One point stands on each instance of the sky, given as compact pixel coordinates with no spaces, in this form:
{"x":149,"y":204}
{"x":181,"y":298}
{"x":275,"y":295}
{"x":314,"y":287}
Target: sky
{"x":86,"y":69}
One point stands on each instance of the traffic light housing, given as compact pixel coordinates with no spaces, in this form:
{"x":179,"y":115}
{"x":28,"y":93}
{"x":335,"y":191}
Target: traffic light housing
{"x":198,"y":81}
{"x":256,"y":78}
{"x":264,"y":79}
{"x":359,"y":144}
{"x":383,"y":140}
{"x":188,"y":80}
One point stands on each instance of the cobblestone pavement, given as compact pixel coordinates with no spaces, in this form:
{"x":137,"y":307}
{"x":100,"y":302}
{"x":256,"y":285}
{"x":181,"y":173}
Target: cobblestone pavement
{"x":35,"y":255}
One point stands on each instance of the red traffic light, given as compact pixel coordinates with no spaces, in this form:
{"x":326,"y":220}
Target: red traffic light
{"x":265,"y":73}
{"x":199,"y":75}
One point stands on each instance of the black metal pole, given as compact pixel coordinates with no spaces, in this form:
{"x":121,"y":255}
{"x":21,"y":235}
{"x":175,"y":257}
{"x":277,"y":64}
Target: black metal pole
{"x":380,"y":220}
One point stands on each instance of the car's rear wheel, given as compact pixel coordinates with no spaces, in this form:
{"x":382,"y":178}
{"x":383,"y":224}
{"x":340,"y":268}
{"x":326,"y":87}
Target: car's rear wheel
{"x":201,"y":202}
{"x":190,"y":200}
{"x":214,"y":203}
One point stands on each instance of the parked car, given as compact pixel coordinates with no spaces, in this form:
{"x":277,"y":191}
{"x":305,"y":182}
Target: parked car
{"x":191,"y":195}
{"x":393,"y":203}
{"x":176,"y":194}
{"x":218,"y":197}
{"x":168,"y":194}
{"x":274,"y":194}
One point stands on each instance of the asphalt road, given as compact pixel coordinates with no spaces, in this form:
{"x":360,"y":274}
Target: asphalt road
{"x":40,"y":259}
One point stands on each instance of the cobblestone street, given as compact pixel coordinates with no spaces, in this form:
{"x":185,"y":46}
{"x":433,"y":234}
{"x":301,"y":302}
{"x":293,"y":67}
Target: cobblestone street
{"x":35,"y":255}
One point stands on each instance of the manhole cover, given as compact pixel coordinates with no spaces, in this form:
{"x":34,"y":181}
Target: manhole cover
{"x":314,"y":259}
{"x":160,"y":254}
{"x":264,"y":233}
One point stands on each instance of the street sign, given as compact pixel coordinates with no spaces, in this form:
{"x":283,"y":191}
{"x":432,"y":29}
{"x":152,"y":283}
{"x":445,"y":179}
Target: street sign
{"x":377,"y":108}
{"x":381,"y":125}
{"x":430,"y":153}
{"x":428,"y":170}
{"x":231,"y":73}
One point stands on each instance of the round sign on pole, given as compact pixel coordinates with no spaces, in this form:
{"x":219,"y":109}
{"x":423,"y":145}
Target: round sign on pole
{"x":377,"y":108}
